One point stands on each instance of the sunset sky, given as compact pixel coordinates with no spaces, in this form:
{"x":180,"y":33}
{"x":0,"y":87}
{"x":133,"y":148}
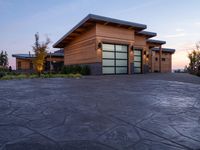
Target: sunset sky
{"x":176,"y":21}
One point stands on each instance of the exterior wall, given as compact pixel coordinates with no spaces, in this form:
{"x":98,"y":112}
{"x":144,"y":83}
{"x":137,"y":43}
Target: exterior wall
{"x":115,"y":35}
{"x":166,"y":66}
{"x":25,"y":64}
{"x":57,"y":59}
{"x":82,"y":50}
{"x":140,"y":42}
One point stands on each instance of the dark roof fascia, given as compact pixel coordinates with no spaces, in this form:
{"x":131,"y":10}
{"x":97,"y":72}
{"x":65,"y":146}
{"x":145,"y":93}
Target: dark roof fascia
{"x":169,"y":50}
{"x":156,"y":41}
{"x":23,"y":56}
{"x":147,"y":33}
{"x":100,"y":18}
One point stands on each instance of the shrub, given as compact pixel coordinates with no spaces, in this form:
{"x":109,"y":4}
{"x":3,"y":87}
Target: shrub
{"x":85,"y":70}
{"x":76,"y":69}
{"x":2,"y":74}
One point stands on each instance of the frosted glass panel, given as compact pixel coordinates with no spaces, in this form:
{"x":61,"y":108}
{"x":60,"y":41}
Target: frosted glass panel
{"x":121,"y":55}
{"x":121,"y":69}
{"x":137,"y":52}
{"x":108,"y":70}
{"x":137,"y":58}
{"x":108,"y":62}
{"x":108,"y":47}
{"x":121,"y":48}
{"x":137,"y":70}
{"x":137,"y":64}
{"x":108,"y":55}
{"x":121,"y":62}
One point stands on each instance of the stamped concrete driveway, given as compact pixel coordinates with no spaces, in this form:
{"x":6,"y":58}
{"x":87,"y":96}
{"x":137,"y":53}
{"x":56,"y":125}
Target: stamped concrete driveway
{"x":138,"y":112}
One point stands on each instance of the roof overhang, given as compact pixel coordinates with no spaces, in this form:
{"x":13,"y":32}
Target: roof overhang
{"x":147,"y":34}
{"x":91,"y":20}
{"x":168,"y":50}
{"x":156,"y":42}
{"x":23,"y":56}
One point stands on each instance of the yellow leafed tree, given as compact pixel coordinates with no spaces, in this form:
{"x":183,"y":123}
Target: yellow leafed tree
{"x":40,"y":50}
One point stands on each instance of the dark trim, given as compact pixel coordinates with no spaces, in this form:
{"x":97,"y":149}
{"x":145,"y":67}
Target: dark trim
{"x":167,"y":50}
{"x":156,"y":41}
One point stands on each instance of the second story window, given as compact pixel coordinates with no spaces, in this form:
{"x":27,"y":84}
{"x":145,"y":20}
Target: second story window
{"x":163,"y":59}
{"x":156,"y":58}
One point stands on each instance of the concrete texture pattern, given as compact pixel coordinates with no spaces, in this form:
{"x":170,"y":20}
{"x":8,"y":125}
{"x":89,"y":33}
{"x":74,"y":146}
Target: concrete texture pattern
{"x":136,"y":112}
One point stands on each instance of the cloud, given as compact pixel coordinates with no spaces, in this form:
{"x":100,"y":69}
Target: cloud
{"x":197,"y":23}
{"x":179,"y":30}
{"x":175,"y":35}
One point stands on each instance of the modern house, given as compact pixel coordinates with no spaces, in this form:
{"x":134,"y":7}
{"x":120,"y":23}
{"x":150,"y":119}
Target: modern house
{"x":112,"y":46}
{"x":24,"y":62}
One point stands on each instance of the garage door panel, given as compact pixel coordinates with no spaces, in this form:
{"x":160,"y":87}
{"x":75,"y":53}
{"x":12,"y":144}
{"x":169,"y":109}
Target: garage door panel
{"x":108,"y":62}
{"x":108,"y":55}
{"x":114,"y":59}
{"x":121,"y":63}
{"x":108,"y":70}
{"x":121,"y":56}
{"x":121,"y":70}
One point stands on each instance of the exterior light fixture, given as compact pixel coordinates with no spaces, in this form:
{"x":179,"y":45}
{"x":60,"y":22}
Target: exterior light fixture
{"x":99,"y":45}
{"x":145,"y":52}
{"x":132,"y":48}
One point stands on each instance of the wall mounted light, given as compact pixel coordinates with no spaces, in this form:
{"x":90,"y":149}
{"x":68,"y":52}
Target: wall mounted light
{"x":99,"y":45}
{"x":132,"y":48}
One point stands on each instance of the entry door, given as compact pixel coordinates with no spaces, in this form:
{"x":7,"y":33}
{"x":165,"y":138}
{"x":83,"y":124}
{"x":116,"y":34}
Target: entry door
{"x":114,"y":59}
{"x":137,"y":61}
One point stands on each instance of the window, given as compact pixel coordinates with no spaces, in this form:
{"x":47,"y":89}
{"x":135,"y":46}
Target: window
{"x":156,"y":58}
{"x":163,"y":59}
{"x":19,"y":65}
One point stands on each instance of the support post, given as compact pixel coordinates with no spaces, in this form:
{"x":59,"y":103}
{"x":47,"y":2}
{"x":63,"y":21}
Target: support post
{"x":160,"y":58}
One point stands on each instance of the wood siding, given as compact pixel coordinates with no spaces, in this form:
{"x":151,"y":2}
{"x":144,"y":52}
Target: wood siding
{"x":82,"y":50}
{"x":166,"y":65}
{"x":25,"y":64}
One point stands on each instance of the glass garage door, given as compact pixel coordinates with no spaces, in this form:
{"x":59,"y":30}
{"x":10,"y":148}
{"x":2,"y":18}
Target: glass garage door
{"x":114,"y":59}
{"x":137,"y":61}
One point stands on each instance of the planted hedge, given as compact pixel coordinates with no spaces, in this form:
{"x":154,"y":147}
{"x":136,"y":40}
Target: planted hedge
{"x":81,"y":69}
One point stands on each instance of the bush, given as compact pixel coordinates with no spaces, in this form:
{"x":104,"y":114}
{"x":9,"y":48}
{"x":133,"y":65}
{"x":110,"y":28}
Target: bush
{"x":76,"y":69}
{"x":85,"y":70}
{"x":2,"y":74}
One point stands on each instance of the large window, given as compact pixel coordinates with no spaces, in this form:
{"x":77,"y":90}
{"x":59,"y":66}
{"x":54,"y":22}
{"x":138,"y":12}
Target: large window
{"x":115,"y":59}
{"x":137,"y":61}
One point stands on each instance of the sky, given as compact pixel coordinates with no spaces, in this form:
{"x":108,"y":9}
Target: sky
{"x":175,"y":21}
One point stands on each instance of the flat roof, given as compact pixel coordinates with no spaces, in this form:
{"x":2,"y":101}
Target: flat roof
{"x":91,"y":18}
{"x":156,"y":41}
{"x":147,"y":34}
{"x":27,"y":56}
{"x":169,"y":50}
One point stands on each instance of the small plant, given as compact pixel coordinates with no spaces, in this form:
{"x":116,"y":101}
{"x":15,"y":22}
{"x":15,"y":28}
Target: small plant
{"x":2,"y":74}
{"x":76,"y":69}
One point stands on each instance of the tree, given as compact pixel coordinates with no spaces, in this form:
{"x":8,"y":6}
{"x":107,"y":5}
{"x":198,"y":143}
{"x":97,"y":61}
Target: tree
{"x":3,"y":59}
{"x":40,"y":50}
{"x":194,"y":57}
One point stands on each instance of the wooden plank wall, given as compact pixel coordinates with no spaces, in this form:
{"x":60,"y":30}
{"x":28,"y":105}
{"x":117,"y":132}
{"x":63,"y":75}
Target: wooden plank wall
{"x":82,"y":50}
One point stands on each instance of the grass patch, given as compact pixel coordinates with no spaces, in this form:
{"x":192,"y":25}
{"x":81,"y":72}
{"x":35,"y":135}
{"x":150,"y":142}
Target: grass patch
{"x":32,"y":76}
